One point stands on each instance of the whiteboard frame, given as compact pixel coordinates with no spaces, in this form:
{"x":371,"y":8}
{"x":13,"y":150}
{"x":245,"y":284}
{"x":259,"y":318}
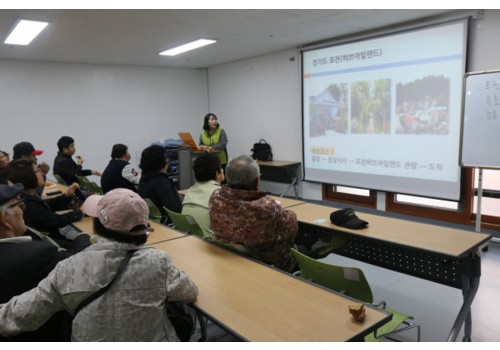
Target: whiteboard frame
{"x":462,"y":131}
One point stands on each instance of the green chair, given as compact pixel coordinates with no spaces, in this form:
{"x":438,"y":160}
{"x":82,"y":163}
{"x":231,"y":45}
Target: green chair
{"x":154,"y":212}
{"x":185,"y":223}
{"x":45,"y":237}
{"x":89,"y":186}
{"x":352,"y":282}
{"x":60,"y":180}
{"x":238,"y":249}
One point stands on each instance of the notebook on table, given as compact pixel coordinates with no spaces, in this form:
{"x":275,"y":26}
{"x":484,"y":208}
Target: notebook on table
{"x":188,"y":139}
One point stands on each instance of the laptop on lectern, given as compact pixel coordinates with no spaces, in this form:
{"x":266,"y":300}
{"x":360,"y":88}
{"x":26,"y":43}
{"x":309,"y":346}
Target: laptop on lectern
{"x":187,"y":139}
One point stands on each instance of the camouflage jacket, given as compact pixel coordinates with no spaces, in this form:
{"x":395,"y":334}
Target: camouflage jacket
{"x":255,"y":220}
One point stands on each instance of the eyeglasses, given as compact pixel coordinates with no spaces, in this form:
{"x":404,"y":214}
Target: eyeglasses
{"x":18,"y":203}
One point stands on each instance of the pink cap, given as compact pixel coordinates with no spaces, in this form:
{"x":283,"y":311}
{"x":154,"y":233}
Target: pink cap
{"x":119,"y":210}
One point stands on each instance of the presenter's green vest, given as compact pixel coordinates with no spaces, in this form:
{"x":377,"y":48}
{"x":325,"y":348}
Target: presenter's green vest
{"x":209,"y":140}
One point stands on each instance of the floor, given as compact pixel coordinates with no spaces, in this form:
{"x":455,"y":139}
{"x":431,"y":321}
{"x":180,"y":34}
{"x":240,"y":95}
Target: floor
{"x":434,"y":306}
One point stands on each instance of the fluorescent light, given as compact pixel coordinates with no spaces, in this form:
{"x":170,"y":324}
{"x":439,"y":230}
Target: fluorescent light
{"x":24,"y":32}
{"x":187,"y":47}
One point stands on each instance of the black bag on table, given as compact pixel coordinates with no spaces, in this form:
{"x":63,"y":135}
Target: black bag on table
{"x":181,"y":320}
{"x":262,"y":151}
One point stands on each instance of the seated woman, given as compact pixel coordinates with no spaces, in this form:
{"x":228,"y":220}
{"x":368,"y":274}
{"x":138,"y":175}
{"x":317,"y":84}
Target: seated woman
{"x":155,"y":183}
{"x":209,"y":174}
{"x":40,"y":214}
{"x":133,"y":309}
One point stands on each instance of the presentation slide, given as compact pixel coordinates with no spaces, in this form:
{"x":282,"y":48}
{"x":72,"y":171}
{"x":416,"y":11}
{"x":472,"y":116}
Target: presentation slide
{"x":385,"y":113}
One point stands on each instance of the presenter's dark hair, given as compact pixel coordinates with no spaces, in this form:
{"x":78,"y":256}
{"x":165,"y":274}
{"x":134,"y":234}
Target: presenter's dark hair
{"x":119,"y":150}
{"x":205,"y":121}
{"x":118,"y":236}
{"x":64,"y":142}
{"x":153,"y":159}
{"x":206,"y":166}
{"x":21,"y":171}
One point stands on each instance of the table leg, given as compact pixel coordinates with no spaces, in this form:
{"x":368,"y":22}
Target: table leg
{"x":294,"y":185}
{"x":470,"y":285}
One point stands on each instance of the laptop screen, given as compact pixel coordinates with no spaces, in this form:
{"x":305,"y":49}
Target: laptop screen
{"x":187,"y":139}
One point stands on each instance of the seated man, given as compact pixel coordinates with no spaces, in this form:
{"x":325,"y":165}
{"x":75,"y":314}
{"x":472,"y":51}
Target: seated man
{"x":25,"y":261}
{"x":65,"y":166}
{"x":119,"y":173}
{"x":209,"y":175}
{"x":240,"y":213}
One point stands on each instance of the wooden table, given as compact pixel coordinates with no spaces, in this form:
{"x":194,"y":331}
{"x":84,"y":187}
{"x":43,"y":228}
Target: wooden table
{"x":281,"y":171}
{"x":160,"y":234}
{"x":259,"y":303}
{"x":440,"y":254}
{"x":54,"y":188}
{"x":287,"y":202}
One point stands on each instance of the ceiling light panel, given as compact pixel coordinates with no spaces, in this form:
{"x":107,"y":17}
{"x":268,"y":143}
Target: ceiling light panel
{"x":24,"y":32}
{"x":187,"y":47}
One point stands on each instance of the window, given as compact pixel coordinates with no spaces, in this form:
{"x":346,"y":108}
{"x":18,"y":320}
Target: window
{"x":460,"y":212}
{"x":350,"y":195}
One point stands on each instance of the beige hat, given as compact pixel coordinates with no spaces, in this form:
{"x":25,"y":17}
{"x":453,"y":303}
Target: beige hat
{"x":119,"y":210}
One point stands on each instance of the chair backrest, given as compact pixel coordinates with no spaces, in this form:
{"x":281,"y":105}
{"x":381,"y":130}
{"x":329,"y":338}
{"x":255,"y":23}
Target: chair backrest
{"x":154,"y":212}
{"x":350,"y":281}
{"x":237,"y":248}
{"x":60,"y":179}
{"x":184,"y":222}
{"x":45,"y":237}
{"x":90,"y":186}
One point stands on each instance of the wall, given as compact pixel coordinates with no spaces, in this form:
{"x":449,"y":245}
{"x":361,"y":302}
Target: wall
{"x":97,"y":105}
{"x":484,"y":50}
{"x":261,"y":97}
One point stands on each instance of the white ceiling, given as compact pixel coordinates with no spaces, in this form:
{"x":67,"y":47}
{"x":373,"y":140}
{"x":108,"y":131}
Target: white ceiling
{"x":135,"y":37}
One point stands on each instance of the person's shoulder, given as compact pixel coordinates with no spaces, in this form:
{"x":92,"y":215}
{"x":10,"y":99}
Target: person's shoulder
{"x":61,"y":158}
{"x":152,"y":253}
{"x":34,"y":249}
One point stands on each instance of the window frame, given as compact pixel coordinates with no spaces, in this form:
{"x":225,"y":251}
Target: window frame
{"x":464,"y":215}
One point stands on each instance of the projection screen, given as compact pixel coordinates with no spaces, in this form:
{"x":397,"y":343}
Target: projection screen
{"x":385,"y":113}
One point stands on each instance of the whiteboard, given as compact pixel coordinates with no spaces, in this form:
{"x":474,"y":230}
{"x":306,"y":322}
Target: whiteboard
{"x":480,"y":146}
